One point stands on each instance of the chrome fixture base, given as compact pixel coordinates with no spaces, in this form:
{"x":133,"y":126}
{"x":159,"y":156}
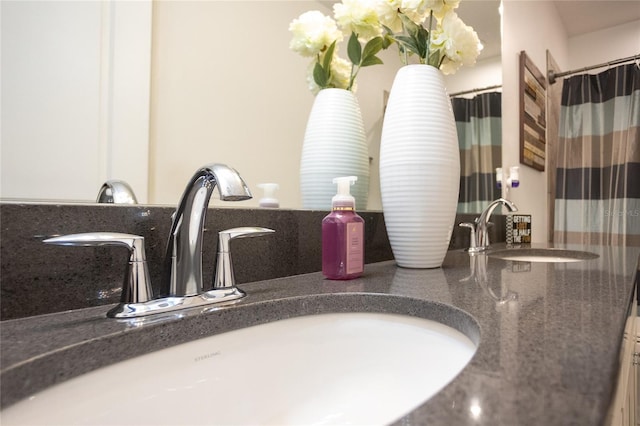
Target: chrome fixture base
{"x":170,"y":304}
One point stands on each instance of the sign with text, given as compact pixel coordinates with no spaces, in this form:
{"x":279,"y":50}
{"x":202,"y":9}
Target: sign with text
{"x":519,"y":229}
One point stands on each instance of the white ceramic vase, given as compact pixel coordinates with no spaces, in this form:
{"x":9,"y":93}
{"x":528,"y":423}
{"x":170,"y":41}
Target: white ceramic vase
{"x":419,"y":167}
{"x":334,"y":146}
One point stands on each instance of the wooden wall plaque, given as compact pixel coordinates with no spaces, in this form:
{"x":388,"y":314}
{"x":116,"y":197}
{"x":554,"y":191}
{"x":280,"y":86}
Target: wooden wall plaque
{"x":533,"y":90}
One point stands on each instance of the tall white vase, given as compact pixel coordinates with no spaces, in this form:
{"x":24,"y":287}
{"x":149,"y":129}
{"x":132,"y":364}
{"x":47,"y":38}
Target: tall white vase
{"x":334,"y":146}
{"x":419,"y":167}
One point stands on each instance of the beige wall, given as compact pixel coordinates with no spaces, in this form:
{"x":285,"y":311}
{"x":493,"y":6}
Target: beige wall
{"x":226,"y":88}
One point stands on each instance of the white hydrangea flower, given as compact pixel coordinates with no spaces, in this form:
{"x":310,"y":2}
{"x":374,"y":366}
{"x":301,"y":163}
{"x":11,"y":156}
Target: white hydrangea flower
{"x":458,"y":42}
{"x":358,"y":16}
{"x":312,"y":33}
{"x":441,"y":7}
{"x":340,"y":75}
{"x":416,"y":10}
{"x":388,"y":14}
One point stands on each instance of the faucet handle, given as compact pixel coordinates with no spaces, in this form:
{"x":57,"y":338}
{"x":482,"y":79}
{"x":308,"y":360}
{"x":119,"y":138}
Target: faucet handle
{"x":224,"y":267}
{"x":473,"y":248}
{"x":137,"y":286}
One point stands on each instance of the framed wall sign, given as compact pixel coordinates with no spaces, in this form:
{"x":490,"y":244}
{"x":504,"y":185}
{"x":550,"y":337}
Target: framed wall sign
{"x":533,"y":90}
{"x":518,"y":229}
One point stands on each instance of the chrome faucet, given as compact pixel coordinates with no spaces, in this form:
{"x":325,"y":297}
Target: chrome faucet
{"x":183,"y":260}
{"x":479,"y":230}
{"x":181,"y":285}
{"x":116,"y":192}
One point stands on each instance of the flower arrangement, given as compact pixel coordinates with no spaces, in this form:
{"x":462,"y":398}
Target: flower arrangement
{"x":446,"y":42}
{"x":316,"y":35}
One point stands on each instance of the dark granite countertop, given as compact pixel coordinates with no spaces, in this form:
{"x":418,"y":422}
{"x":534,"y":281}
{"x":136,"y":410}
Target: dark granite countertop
{"x":549,"y":333}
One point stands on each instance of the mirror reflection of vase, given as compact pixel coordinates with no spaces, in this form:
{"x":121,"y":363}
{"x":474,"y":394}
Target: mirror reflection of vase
{"x":334,"y":146}
{"x":421,"y":283}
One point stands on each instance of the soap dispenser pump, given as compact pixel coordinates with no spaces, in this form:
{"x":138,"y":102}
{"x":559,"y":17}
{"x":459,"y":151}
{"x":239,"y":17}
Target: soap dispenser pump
{"x":269,"y":199}
{"x":343,"y":235}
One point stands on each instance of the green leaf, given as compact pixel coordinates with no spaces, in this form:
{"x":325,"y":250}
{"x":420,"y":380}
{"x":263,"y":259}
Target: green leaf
{"x":320,"y":76}
{"x":354,"y":50}
{"x":408,"y":43}
{"x":371,"y":60}
{"x":389,"y":38}
{"x":372,"y":47}
{"x":411,"y":27}
{"x":419,"y":37}
{"x":387,"y":41}
{"x":435,"y":59}
{"x":422,"y":40}
{"x":328,"y":57}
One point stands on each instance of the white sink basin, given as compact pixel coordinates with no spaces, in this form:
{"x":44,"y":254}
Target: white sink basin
{"x":543,"y":255}
{"x":351,"y":368}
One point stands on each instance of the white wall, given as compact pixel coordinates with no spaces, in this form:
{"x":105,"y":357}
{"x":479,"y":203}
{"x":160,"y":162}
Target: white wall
{"x":75,"y":95}
{"x":42,"y":65}
{"x":532,"y":26}
{"x":605,"y":45}
{"x":484,"y":73}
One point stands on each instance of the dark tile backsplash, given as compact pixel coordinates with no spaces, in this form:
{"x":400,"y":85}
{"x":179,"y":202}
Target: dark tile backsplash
{"x":37,"y":278}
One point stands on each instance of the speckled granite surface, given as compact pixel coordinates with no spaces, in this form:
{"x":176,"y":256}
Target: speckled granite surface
{"x":548,"y":333}
{"x":39,"y":279}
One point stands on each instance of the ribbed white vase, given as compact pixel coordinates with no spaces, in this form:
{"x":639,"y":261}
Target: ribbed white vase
{"x":334,"y":146}
{"x":419,"y":167}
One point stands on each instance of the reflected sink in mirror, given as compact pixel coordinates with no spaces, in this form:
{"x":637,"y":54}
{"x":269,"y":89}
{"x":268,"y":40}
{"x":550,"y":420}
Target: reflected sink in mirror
{"x":333,"y":368}
{"x":551,"y":255}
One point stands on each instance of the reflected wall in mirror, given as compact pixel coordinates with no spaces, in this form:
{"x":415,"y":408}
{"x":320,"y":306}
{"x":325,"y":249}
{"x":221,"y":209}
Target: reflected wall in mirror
{"x":147,"y":92}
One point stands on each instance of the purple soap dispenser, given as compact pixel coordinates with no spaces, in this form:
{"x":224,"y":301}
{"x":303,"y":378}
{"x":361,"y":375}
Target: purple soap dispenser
{"x":343,"y":235}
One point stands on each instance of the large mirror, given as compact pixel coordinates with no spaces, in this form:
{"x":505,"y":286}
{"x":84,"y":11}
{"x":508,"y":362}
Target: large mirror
{"x":477,"y":106}
{"x":149,"y":91}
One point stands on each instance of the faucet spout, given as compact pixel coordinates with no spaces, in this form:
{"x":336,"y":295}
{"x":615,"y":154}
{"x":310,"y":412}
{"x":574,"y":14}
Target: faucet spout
{"x":482,"y":234}
{"x":116,"y":192}
{"x":182,"y":274}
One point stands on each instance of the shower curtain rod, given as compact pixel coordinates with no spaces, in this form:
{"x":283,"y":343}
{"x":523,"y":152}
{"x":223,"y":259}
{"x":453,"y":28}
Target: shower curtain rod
{"x":481,"y":89}
{"x":553,"y":76}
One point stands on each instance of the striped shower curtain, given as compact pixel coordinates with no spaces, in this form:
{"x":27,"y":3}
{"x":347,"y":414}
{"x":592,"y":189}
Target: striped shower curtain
{"x":479,"y":125}
{"x":597,"y":199}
